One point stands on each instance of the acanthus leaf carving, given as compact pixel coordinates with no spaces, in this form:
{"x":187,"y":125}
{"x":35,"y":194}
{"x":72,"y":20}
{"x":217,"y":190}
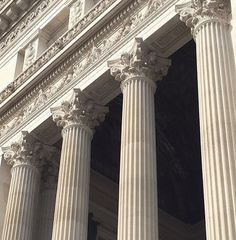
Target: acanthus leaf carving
{"x":79,"y":110}
{"x":197,"y":12}
{"x":27,"y":151}
{"x":141,"y":62}
{"x":61,"y":77}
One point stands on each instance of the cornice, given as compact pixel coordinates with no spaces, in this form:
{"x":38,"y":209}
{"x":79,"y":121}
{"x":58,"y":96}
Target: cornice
{"x":23,"y":22}
{"x":86,"y":57}
{"x":56,"y":47}
{"x":4,"y":4}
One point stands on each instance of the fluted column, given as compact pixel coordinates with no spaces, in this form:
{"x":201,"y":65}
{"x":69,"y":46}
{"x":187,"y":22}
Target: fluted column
{"x":78,"y":118}
{"x":217,"y":111}
{"x":138,"y":207}
{"x":46,"y":212}
{"x":43,"y":230}
{"x":24,"y":188}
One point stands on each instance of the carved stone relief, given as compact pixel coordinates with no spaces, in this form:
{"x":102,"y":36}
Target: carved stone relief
{"x":55,"y":48}
{"x":196,"y":12}
{"x":79,"y":110}
{"x":78,"y":62}
{"x":75,"y":12}
{"x":2,"y":3}
{"x":9,"y":38}
{"x":29,"y":151}
{"x":30,"y":55}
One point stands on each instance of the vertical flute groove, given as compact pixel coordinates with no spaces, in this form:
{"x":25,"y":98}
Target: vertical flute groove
{"x":46,"y":213}
{"x":217,"y":111}
{"x":71,"y":210}
{"x":21,"y":204}
{"x":138,"y":186}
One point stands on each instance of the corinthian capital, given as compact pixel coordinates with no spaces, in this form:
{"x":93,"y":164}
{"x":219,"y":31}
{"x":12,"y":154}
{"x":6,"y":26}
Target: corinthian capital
{"x":27,"y":151}
{"x":197,"y":12}
{"x":79,"y":110}
{"x":139,"y":62}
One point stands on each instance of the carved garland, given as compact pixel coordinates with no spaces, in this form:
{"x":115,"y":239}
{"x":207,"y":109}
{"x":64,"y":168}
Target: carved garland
{"x":22,"y":26}
{"x":82,"y":58}
{"x":55,"y":48}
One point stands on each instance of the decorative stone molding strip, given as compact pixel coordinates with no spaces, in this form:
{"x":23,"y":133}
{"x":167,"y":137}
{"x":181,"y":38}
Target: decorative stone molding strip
{"x":12,"y":11}
{"x":56,"y":47}
{"x":9,"y":38}
{"x":197,"y":13}
{"x":83,"y":59}
{"x":3,"y":3}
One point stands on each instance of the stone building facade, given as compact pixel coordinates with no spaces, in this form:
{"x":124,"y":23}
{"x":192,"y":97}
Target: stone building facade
{"x":117,"y":119}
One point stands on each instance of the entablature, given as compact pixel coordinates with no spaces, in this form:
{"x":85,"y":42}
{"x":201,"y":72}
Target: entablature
{"x":3,"y":4}
{"x":82,"y":62}
{"x":74,"y":36}
{"x":16,"y":17}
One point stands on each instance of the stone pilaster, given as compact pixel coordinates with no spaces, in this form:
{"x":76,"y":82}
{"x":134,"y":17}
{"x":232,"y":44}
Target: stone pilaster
{"x":78,"y":118}
{"x":23,"y":194}
{"x":217,"y":110}
{"x":138,"y":208}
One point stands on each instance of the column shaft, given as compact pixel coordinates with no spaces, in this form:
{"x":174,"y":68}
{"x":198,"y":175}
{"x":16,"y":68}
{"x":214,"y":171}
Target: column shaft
{"x":138,"y":210}
{"x":22,"y":201}
{"x":72,"y":200}
{"x":46,"y":214}
{"x":217,"y":109}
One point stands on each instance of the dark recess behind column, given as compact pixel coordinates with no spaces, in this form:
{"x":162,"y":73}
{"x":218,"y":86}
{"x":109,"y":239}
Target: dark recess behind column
{"x":178,"y":147}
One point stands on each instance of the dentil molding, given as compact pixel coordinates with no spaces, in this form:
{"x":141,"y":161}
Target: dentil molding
{"x":83,"y":59}
{"x":56,"y":47}
{"x":28,"y":19}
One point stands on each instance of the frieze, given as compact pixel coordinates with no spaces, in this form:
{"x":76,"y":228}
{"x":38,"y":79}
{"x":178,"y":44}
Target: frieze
{"x":84,"y":58}
{"x":55,"y":48}
{"x":3,"y":3}
{"x":75,"y":12}
{"x":9,"y":38}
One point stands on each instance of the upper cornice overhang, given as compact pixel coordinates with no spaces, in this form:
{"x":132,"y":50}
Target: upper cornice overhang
{"x":83,"y":60}
{"x":89,"y":24}
{"x":24,"y":21}
{"x":4,"y":4}
{"x":11,"y":14}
